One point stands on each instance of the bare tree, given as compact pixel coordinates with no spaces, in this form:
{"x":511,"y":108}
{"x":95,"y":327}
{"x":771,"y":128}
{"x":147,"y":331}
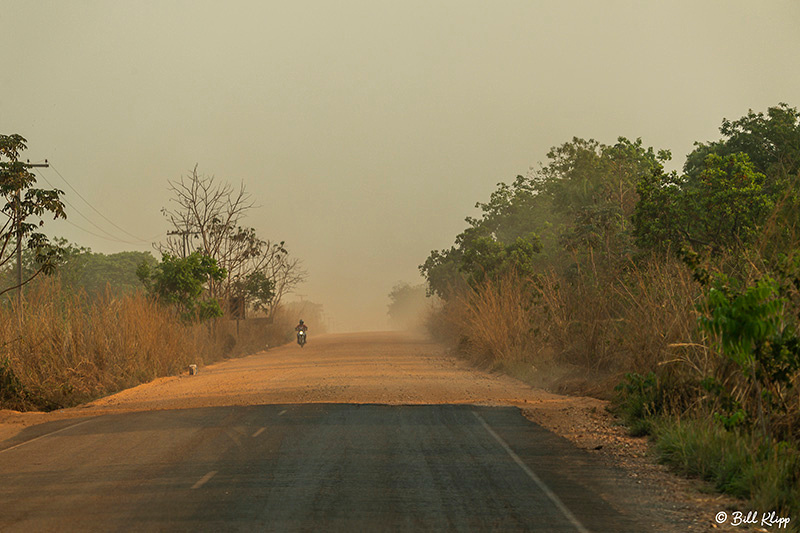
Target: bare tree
{"x":239,"y":247}
{"x":208,"y":210}
{"x":274,"y":266}
{"x":284,"y":271}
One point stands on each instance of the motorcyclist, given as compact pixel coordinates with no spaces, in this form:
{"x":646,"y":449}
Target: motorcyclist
{"x":301,"y":332}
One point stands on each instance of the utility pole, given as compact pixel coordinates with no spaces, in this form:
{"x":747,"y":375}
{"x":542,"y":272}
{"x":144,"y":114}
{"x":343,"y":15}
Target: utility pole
{"x":18,"y":212}
{"x":184,"y":239}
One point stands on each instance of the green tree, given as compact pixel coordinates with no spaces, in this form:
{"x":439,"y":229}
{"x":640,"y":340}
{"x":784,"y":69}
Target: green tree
{"x":771,"y":141}
{"x":211,"y":211}
{"x":729,"y":202}
{"x":516,"y":210}
{"x":660,"y":218}
{"x":442,"y":270}
{"x":514,"y":227}
{"x":488,"y":258}
{"x":23,"y":203}
{"x":724,"y":208}
{"x":94,"y":273}
{"x":582,"y":200}
{"x":182,"y":281}
{"x":595,"y":186}
{"x":257,"y":289}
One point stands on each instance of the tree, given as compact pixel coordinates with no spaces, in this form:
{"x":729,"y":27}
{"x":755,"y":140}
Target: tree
{"x":729,"y":202}
{"x":283,"y":271}
{"x":80,"y":269}
{"x":515,"y":210}
{"x":660,"y":218}
{"x":509,"y":227}
{"x":489,"y":258}
{"x":722,"y":209}
{"x":771,"y":141}
{"x":772,"y":144}
{"x":257,"y":290}
{"x":22,"y":204}
{"x":581,"y":203}
{"x":266,"y":276}
{"x":180,"y":281}
{"x":595,"y":186}
{"x":211,"y":211}
{"x":208,"y":210}
{"x":442,"y":272}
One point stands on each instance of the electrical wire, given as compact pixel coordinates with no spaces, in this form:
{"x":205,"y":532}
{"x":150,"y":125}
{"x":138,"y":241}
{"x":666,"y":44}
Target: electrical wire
{"x":110,"y":236}
{"x":93,"y":207}
{"x":97,"y":234}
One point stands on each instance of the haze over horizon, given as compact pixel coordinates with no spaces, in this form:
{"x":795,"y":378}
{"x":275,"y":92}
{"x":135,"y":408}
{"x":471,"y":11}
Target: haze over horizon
{"x":365,"y":131}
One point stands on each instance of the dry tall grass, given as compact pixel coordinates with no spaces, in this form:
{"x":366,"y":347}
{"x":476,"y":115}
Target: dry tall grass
{"x":68,"y":349}
{"x":641,"y":318}
{"x":493,"y":320}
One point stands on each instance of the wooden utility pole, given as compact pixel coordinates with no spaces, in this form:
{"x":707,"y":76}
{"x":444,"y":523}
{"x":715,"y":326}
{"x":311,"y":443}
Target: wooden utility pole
{"x":184,"y":239}
{"x":18,"y":212}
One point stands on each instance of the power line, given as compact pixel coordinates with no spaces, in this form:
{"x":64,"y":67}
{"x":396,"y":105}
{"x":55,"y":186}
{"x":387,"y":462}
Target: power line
{"x":93,"y":207}
{"x":97,"y":234}
{"x":110,"y":237}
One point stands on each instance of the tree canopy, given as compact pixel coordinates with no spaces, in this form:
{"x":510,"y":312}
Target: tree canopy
{"x":24,"y":206}
{"x":181,"y":281}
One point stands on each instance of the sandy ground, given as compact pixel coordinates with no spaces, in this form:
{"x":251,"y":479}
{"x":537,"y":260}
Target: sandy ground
{"x":388,"y":368}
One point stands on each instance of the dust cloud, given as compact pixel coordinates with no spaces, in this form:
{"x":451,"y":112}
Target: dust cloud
{"x":365,"y":131}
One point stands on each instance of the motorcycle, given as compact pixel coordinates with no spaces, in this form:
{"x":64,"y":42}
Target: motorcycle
{"x":301,"y":338}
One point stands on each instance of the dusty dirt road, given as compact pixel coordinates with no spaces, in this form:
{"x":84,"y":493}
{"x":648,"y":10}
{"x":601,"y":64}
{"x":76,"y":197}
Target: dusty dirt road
{"x":392,"y":369}
{"x":380,"y":367}
{"x":385,"y":368}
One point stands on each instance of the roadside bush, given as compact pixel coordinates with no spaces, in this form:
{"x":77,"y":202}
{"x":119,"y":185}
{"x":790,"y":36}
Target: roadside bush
{"x":735,"y":461}
{"x":639,"y":400}
{"x":614,"y":303}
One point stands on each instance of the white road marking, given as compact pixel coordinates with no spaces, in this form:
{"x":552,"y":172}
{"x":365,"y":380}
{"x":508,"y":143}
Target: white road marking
{"x":259,"y":432}
{"x":203,"y":480}
{"x":282,"y":412}
{"x":47,"y":435}
{"x":531,"y":474}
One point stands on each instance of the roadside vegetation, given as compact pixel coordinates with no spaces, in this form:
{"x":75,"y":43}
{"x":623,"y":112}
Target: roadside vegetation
{"x":77,"y":325}
{"x":677,"y":294}
{"x":408,"y":307}
{"x":70,"y":348}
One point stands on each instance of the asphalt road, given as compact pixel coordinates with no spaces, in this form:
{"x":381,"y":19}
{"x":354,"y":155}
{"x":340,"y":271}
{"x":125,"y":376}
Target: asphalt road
{"x":312,"y":467}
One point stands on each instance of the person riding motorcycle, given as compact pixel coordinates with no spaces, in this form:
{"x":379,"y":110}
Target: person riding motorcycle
{"x":301,"y":327}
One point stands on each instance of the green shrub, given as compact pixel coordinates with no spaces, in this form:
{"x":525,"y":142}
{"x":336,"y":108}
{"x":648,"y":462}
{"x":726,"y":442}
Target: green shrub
{"x":735,"y":461}
{"x":639,"y":399}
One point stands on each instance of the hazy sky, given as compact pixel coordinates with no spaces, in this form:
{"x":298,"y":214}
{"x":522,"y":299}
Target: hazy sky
{"x":365,"y":130}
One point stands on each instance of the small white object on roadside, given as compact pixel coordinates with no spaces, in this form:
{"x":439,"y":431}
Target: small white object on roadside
{"x":192,"y":370}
